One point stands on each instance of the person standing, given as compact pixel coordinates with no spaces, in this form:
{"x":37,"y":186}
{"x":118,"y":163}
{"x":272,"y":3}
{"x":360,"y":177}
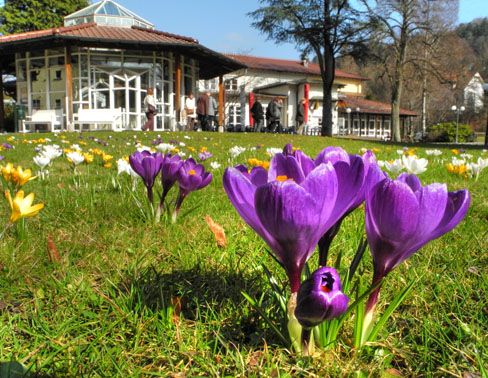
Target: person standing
{"x":213,"y":109}
{"x":300,"y":117}
{"x":190,"y":112}
{"x":202,"y":110}
{"x":258,"y":114}
{"x":150,"y":106}
{"x":275,"y":115}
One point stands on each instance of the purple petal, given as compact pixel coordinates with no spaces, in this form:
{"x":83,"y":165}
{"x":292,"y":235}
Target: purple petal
{"x":288,"y":166}
{"x":332,"y":154}
{"x":241,"y":192}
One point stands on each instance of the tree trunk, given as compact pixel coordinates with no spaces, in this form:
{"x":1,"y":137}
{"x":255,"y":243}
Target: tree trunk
{"x":327,"y":80}
{"x":396,"y":94}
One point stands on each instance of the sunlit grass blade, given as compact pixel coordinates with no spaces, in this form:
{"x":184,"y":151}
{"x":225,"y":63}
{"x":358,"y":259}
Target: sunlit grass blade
{"x":391,"y":308}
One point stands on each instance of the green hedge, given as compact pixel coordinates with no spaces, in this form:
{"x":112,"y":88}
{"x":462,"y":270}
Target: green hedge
{"x":446,"y":132}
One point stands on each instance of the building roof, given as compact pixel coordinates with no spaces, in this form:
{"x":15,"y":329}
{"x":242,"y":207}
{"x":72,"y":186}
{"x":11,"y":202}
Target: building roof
{"x":372,"y":107}
{"x":285,"y":65}
{"x":212,"y":63}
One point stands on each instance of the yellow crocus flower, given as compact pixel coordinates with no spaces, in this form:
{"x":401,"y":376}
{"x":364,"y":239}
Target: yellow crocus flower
{"x":106,"y":158}
{"x":7,"y":171}
{"x":20,"y":177}
{"x":88,"y":158}
{"x":22,"y":207}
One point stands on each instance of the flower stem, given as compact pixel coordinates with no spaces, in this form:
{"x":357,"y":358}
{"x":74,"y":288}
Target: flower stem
{"x":294,"y":327}
{"x":308,"y":346}
{"x":181,"y":197}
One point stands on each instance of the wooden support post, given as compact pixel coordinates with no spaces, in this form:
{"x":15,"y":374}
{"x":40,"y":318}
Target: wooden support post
{"x":376,"y":126}
{"x":69,"y":86}
{"x":221,"y":101}
{"x":251,"y":102}
{"x":178,"y":87}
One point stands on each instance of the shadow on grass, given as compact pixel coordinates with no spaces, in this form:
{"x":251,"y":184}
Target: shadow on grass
{"x":213,"y":299}
{"x":14,"y":369}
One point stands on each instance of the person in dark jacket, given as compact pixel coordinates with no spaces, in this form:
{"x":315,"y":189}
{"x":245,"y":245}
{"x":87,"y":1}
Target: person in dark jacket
{"x":300,"y":117}
{"x":274,"y":109}
{"x":202,"y":110}
{"x":258,"y":115}
{"x":213,"y":109}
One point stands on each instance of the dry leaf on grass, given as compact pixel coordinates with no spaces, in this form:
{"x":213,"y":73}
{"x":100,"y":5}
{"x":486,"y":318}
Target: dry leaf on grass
{"x":52,"y":250}
{"x":218,"y":232}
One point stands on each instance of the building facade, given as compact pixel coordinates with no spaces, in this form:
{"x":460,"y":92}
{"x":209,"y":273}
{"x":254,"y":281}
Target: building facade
{"x":293,"y":80}
{"x":106,"y":57}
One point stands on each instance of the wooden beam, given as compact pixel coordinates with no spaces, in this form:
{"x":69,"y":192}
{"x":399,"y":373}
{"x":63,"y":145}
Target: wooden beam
{"x":178,"y":87}
{"x":221,"y":100}
{"x":69,"y":85}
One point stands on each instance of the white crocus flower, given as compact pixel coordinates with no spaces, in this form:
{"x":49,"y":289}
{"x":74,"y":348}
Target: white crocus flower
{"x":272,"y":151}
{"x":414,"y":165}
{"x":164,"y":147}
{"x":236,"y":151}
{"x":400,"y":152}
{"x":76,"y":157}
{"x":483,"y":162}
{"x":433,"y":152}
{"x":466,"y":156}
{"x":474,"y":169}
{"x":42,"y":161}
{"x":51,"y":151}
{"x":380,"y":163}
{"x":394,"y":166}
{"x":215,"y":165}
{"x":141,"y":148}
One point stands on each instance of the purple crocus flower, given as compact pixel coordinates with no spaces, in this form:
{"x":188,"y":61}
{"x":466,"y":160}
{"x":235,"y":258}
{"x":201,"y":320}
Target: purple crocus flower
{"x":169,"y":173}
{"x":320,"y":298}
{"x":1,"y":157}
{"x":289,"y":208}
{"x":402,"y":216}
{"x":350,"y":170}
{"x":191,"y":177}
{"x":204,"y":155}
{"x":146,"y":165}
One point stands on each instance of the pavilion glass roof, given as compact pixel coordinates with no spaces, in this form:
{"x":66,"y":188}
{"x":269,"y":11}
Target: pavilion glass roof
{"x":107,"y":13}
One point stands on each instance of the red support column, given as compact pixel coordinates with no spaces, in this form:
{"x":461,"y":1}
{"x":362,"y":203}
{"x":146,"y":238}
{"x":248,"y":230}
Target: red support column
{"x":306,"y":93}
{"x":251,"y":102}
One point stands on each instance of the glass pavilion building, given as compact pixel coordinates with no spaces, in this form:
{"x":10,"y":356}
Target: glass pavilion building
{"x":105,"y":57}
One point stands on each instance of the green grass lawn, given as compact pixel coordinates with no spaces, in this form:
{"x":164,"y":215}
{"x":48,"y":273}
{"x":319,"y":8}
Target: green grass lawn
{"x":105,"y":307}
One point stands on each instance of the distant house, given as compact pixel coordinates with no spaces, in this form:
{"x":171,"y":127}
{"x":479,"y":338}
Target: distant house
{"x":292,"y":80}
{"x":474,"y":93}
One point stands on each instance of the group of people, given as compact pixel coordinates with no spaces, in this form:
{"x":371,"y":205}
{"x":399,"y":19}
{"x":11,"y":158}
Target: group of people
{"x":204,"y":109}
{"x":273,"y":115}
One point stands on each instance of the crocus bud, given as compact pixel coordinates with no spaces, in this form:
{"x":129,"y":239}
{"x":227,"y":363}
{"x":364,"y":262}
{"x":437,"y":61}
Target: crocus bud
{"x":320,"y":297}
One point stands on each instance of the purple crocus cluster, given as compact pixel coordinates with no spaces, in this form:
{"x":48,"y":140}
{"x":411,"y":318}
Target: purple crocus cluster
{"x":189,"y":175}
{"x":302,"y":201}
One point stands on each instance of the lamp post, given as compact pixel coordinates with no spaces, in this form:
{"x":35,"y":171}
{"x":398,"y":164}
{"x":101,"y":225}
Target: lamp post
{"x":348,"y":111}
{"x":454,"y":108}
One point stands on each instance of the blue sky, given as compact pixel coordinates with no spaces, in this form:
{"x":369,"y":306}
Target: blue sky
{"x":222,"y":25}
